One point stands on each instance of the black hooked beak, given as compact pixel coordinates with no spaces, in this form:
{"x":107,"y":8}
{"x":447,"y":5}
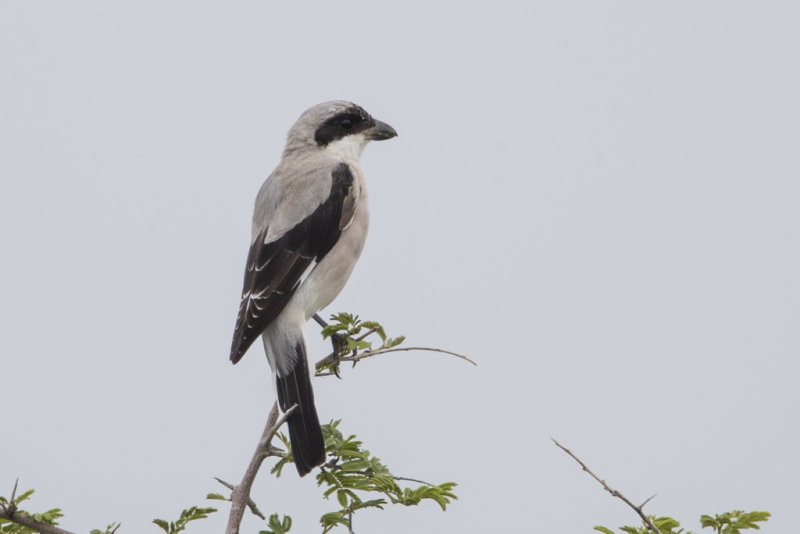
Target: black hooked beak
{"x":380,"y":131}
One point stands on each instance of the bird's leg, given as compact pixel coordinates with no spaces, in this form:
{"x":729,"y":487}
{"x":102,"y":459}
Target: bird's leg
{"x":339,"y":343}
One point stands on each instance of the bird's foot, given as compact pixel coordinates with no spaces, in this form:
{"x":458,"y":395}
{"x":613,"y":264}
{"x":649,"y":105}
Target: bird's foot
{"x":339,"y":343}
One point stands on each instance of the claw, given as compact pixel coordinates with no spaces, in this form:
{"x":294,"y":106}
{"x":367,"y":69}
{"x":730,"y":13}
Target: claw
{"x":339,"y":342}
{"x":339,"y":346}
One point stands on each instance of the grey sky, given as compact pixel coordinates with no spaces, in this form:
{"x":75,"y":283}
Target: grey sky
{"x":597,"y":201}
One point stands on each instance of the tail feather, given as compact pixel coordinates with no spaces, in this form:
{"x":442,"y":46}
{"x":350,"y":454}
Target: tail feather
{"x":305,"y":433}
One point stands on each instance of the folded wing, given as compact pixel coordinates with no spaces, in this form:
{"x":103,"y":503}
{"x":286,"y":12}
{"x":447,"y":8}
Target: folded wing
{"x":275,"y":269}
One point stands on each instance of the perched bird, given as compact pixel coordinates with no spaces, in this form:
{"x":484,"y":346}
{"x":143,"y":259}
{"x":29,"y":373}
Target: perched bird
{"x":309,"y":226}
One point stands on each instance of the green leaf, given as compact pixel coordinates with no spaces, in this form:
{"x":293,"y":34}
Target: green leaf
{"x":355,"y":465}
{"x":707,"y":521}
{"x":332,"y":329}
{"x":24,"y":497}
{"x":190,"y":514}
{"x":352,"y":473}
{"x":350,"y":453}
{"x":49,"y":516}
{"x":734,"y":522}
{"x":665,"y":523}
{"x":333,"y":519}
{"x":276,"y":526}
{"x":393,"y":342}
{"x":108,"y":530}
{"x":604,"y":530}
{"x":372,"y":325}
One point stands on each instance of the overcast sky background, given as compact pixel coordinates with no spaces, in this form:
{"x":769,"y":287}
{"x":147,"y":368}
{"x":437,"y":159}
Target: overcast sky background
{"x":598,"y":201}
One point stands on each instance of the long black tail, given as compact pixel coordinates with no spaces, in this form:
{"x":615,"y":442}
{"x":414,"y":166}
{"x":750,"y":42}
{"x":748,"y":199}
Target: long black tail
{"x":305,"y":434}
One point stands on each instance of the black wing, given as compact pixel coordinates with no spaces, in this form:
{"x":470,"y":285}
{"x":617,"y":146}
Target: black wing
{"x":275,"y":269}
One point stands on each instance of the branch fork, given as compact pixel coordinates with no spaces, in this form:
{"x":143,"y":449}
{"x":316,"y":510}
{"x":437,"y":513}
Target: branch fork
{"x":613,"y":492}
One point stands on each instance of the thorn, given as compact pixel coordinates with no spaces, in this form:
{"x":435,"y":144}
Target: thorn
{"x":339,"y":343}
{"x":648,"y":500}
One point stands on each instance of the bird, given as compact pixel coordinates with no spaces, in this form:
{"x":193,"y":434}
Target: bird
{"x":309,"y":227}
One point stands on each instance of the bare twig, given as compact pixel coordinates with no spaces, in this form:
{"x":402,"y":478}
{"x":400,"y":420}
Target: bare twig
{"x":370,"y":353}
{"x":653,"y":496}
{"x":613,"y":492}
{"x":240,"y":496}
{"x":266,"y":440}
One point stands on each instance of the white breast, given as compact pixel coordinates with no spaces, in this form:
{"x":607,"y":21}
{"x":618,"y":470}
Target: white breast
{"x":330,"y":275}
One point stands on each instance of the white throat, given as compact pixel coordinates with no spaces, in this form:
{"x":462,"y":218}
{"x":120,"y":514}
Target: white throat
{"x":348,"y":147}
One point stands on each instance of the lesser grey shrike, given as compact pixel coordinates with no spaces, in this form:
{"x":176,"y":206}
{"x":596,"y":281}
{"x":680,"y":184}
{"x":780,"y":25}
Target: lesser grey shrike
{"x":309,"y":226}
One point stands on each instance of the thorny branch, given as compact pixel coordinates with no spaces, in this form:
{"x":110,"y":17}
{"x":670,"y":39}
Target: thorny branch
{"x":10,"y":513}
{"x":250,"y":502}
{"x":240,"y":496}
{"x":356,"y":357}
{"x":21,"y":518}
{"x":613,"y":492}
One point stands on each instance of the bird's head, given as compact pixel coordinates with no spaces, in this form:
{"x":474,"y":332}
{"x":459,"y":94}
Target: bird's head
{"x":338,"y":127}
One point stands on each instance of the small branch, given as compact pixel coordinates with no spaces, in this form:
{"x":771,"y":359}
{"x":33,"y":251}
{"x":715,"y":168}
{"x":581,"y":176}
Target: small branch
{"x":393,"y":477}
{"x":10,"y":513}
{"x":266,"y":440}
{"x":240,"y":496}
{"x":366,"y":335}
{"x":370,"y":353}
{"x":613,"y":492}
{"x":250,"y":502}
{"x":21,"y":518}
{"x":350,"y":521}
{"x":653,"y":496}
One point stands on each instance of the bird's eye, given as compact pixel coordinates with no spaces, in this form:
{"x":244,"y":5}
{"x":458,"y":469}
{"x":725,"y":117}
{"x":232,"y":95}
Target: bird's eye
{"x":346,"y":124}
